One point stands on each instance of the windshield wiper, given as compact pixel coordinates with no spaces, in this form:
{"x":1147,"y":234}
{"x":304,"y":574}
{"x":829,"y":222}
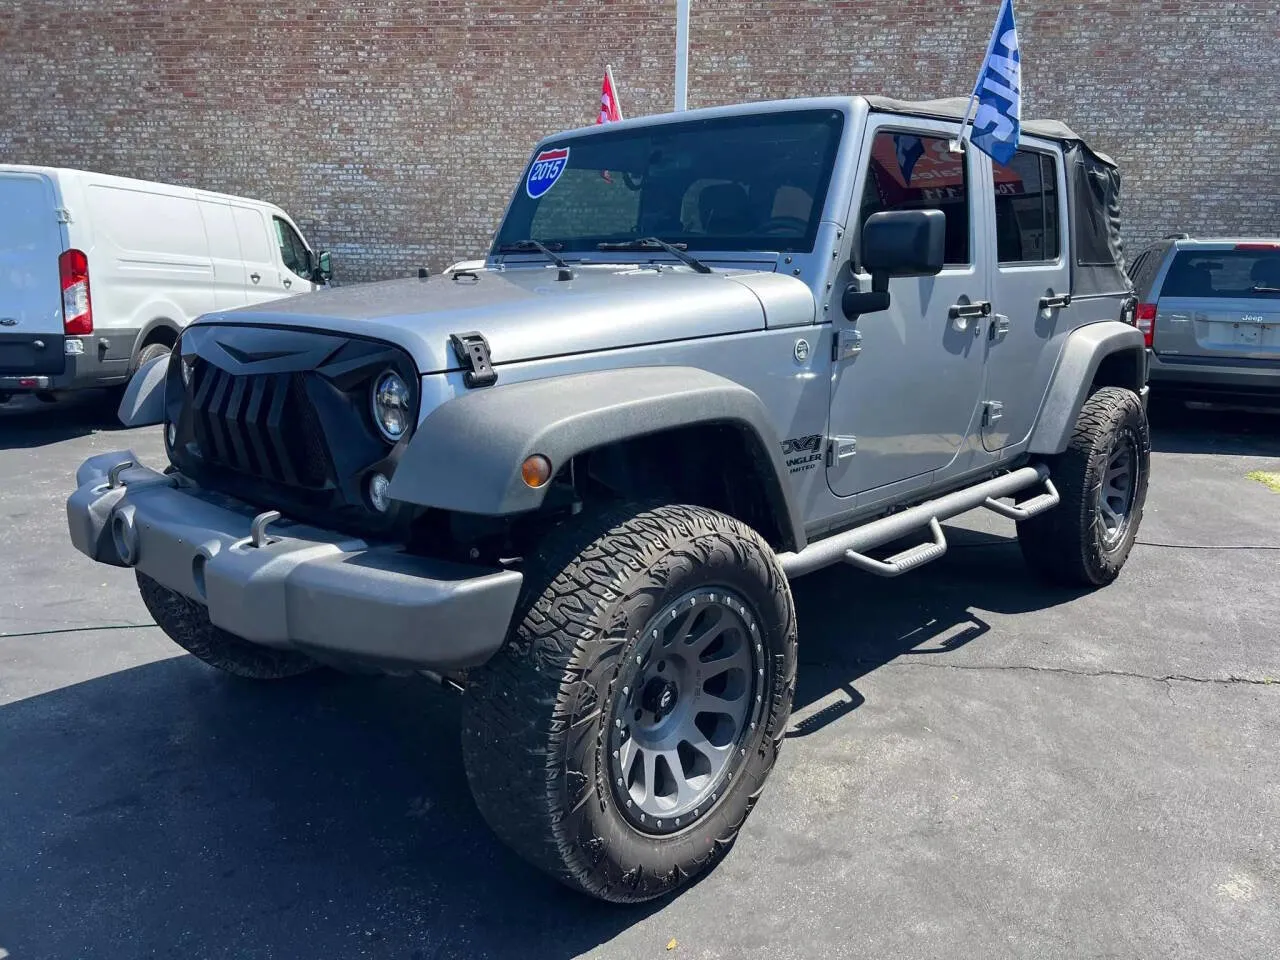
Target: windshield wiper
{"x":653,"y":243}
{"x":524,"y":246}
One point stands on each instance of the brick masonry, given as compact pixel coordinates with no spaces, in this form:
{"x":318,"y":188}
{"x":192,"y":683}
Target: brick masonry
{"x":393,"y":130}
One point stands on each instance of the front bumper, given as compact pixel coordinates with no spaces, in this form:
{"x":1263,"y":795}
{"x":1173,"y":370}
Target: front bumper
{"x":301,"y":587}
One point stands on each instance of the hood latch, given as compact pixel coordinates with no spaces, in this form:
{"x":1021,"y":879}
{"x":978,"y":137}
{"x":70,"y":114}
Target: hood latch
{"x":473,"y":353}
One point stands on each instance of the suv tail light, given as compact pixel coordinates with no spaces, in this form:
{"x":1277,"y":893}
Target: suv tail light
{"x":1258,"y":246}
{"x":1145,"y":320}
{"x":77,"y":308}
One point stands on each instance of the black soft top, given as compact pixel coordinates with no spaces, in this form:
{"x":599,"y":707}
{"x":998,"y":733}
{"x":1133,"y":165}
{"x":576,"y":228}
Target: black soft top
{"x":1093,"y":190}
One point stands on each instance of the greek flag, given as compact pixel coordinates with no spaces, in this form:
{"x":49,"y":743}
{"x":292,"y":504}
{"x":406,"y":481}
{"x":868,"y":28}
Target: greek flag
{"x":998,"y":92}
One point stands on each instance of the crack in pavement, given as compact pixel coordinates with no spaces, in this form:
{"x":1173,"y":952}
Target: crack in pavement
{"x":49,"y":633}
{"x":1166,"y":679}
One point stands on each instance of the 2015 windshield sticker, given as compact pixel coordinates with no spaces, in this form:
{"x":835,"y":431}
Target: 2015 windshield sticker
{"x":545,"y":171}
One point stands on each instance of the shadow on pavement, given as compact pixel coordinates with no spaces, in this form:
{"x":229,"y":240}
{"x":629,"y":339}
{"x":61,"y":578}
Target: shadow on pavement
{"x":174,"y":806}
{"x":26,"y":422}
{"x":1216,"y":429}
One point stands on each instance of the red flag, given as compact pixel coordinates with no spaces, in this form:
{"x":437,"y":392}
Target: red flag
{"x":610,"y":110}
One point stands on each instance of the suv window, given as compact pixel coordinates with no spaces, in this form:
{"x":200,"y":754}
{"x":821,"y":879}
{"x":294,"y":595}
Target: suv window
{"x":753,"y":182}
{"x":1144,"y":270}
{"x":1027,"y":208}
{"x":293,"y":251}
{"x":1243,"y":274}
{"x":912,"y":171}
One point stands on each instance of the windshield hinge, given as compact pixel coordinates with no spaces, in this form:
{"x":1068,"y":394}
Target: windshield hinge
{"x":473,"y":353}
{"x":63,"y":215}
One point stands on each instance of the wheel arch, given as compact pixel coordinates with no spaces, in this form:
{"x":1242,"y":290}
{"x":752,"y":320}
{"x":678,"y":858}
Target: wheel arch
{"x":159,"y":329}
{"x":465,"y":456}
{"x":1105,"y":354}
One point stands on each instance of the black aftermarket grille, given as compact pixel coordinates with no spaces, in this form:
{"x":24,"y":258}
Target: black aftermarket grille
{"x":263,"y":425}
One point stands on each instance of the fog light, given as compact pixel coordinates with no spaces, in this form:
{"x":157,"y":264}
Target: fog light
{"x":378,"y":484}
{"x":535,"y":471}
{"x":171,"y":434}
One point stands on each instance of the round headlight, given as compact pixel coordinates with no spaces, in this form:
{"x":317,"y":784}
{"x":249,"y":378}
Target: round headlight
{"x":391,"y":406}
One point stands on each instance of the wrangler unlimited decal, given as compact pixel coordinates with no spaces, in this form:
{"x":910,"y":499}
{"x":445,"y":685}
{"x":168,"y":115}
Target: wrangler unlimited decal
{"x":803,"y":453}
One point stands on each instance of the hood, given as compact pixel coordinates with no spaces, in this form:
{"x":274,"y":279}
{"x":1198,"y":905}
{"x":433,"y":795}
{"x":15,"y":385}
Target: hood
{"x":526,"y":314}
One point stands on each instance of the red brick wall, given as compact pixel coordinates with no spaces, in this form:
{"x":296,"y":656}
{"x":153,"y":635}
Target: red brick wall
{"x":393,"y":130}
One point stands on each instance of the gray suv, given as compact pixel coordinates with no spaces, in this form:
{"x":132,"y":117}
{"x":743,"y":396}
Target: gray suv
{"x":1210,"y":312}
{"x":708,"y":353}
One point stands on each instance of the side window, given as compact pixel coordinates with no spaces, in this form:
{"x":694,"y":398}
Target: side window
{"x":293,"y":251}
{"x":1027,"y":224}
{"x":911,"y":171}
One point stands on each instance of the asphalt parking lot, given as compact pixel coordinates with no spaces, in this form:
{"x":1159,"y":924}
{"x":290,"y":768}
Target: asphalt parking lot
{"x":978,"y":766}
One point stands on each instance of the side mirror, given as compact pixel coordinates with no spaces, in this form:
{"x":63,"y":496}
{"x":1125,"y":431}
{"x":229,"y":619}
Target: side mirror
{"x":897,"y":243}
{"x":324,"y":267}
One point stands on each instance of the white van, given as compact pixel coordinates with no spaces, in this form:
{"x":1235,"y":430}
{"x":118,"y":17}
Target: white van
{"x":99,"y":274}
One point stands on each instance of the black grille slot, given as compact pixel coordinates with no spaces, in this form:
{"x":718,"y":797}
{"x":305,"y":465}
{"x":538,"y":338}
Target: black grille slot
{"x":263,"y":425}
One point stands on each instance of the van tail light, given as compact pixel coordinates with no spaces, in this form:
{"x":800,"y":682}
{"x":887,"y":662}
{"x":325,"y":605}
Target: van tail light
{"x":1144,"y":318}
{"x":77,"y":308}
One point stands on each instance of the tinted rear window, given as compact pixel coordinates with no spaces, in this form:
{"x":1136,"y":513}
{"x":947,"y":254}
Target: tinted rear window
{"x":1224,"y":273}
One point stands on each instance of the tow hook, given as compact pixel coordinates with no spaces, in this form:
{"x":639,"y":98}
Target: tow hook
{"x":258,"y":531}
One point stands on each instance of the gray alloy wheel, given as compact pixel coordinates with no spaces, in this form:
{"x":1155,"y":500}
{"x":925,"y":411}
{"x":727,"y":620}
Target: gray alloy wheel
{"x":693,"y":695}
{"x":1117,"y":490}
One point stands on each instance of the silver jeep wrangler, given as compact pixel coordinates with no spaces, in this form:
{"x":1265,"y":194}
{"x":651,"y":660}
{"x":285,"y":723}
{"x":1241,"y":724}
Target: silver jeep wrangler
{"x":707,"y":353}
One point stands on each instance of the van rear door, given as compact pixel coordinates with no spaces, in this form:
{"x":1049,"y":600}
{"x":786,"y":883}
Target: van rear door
{"x":1221,"y":302}
{"x":31,"y":240}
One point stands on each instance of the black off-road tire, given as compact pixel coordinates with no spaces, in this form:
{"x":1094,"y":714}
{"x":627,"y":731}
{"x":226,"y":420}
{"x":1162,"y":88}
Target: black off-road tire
{"x":187,"y":624}
{"x":150,"y":352}
{"x":1069,"y":544}
{"x":536,"y":729}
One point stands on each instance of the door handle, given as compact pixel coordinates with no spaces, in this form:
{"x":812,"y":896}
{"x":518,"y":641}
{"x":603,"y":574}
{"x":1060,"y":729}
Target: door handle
{"x":965,"y":311}
{"x":288,"y":282}
{"x":255,"y":277}
{"x":1051,"y":303}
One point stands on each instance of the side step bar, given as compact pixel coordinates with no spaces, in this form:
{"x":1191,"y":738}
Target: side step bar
{"x":851,"y":545}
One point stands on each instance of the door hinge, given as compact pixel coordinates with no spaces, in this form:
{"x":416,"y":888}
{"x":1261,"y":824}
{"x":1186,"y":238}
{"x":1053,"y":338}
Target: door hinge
{"x":63,"y":215}
{"x":473,"y":353}
{"x":847,"y":345}
{"x":840,"y":448}
{"x":992,"y":411}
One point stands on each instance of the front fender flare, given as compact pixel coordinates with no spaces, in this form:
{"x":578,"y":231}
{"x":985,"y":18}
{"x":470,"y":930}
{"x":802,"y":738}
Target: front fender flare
{"x":1082,"y":356}
{"x":466,"y":454}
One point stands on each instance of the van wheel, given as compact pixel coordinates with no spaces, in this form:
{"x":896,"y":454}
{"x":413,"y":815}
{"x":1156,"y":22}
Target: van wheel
{"x":150,"y":352}
{"x":187,"y":624}
{"x":1102,"y":479}
{"x":624,"y":732}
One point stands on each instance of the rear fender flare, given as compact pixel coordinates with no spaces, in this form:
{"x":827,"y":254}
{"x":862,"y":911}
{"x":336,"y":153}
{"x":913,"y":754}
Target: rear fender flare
{"x":1082,"y":357}
{"x":465,"y":455}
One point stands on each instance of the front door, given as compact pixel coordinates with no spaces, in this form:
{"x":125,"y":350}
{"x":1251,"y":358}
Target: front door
{"x":907,"y":381}
{"x":1025,"y":203}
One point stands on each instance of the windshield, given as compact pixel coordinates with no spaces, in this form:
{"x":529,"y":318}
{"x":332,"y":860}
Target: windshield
{"x":755,"y":182}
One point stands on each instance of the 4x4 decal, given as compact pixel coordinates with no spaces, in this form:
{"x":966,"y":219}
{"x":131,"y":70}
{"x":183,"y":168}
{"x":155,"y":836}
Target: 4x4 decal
{"x":802,"y":453}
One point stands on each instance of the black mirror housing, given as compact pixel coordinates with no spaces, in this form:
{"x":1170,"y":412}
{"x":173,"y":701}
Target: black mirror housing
{"x":903,"y":243}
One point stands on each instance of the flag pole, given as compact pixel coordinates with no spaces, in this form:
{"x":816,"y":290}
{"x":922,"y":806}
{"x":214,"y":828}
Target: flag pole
{"x":682,"y":54}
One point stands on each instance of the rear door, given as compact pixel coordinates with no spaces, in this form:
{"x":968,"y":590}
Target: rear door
{"x":1025,"y":201}
{"x":1221,"y":301}
{"x":31,"y":240}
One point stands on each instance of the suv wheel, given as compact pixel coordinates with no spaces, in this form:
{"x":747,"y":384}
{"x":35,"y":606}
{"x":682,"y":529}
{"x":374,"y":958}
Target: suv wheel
{"x":624,"y":732}
{"x":1102,"y":479}
{"x":187,"y":624}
